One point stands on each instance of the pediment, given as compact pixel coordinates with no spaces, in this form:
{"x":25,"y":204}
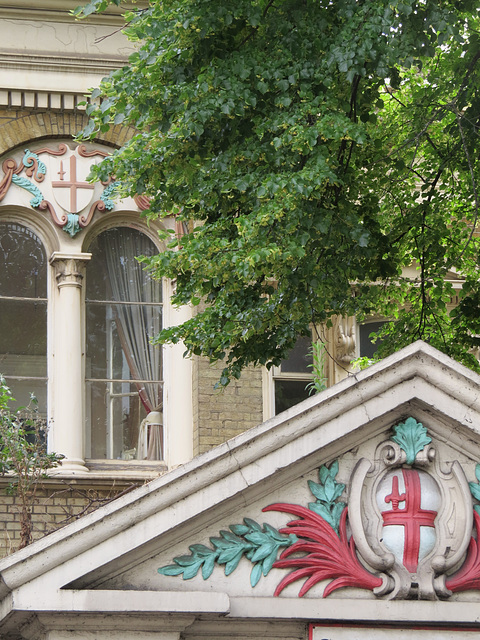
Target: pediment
{"x":406,"y":426}
{"x":335,"y":505}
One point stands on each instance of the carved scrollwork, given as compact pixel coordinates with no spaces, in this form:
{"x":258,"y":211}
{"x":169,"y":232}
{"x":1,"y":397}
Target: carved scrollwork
{"x":72,"y":193}
{"x":344,"y":336}
{"x":82,"y":151}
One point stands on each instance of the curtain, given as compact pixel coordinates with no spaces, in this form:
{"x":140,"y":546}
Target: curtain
{"x":137,"y":323}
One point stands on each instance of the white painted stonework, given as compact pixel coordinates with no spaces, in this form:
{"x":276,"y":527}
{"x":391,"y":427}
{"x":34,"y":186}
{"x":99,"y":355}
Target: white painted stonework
{"x":346,"y":633}
{"x":43,"y":49}
{"x":98,"y":578}
{"x":60,"y":168}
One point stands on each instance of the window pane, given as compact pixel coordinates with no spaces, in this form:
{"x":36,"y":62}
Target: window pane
{"x":289,"y":392}
{"x":23,"y":314}
{"x":113,"y":350}
{"x":117,"y":413}
{"x":23,"y":260}
{"x":367,"y":347}
{"x":23,"y":330}
{"x":118,"y":343}
{"x":299,"y":359}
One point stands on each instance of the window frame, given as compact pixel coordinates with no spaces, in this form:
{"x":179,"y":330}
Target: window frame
{"x":274,"y":374}
{"x":66,"y":396}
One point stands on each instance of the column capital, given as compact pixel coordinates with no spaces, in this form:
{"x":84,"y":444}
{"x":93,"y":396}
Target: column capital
{"x":69,"y":268}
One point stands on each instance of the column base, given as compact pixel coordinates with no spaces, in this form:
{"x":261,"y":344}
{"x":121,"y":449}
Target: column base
{"x":71,"y":466}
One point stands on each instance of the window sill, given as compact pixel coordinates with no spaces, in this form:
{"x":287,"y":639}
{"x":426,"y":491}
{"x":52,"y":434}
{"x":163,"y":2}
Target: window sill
{"x":127,"y":468}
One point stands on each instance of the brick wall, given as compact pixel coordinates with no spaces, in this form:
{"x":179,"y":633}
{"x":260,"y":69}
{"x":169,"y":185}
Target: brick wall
{"x":55,"y":505}
{"x":219,"y":415}
{"x":22,"y":126}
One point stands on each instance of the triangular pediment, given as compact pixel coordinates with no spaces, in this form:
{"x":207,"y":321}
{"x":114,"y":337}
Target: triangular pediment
{"x":207,"y":518}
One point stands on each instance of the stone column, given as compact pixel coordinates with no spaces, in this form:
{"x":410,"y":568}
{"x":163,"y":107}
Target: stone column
{"x":67,"y":433}
{"x":178,"y":393}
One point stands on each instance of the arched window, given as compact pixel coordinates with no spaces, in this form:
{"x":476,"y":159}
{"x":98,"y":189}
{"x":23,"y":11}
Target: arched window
{"x":23,"y":314}
{"x":123,"y":369}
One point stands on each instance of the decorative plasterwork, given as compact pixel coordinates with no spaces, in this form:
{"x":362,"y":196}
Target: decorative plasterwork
{"x":57,"y":180}
{"x":69,"y":270}
{"x":344,"y":332}
{"x":404,"y":531}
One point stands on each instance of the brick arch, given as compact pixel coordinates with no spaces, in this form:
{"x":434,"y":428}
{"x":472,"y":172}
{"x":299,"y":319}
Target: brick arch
{"x":22,"y":126}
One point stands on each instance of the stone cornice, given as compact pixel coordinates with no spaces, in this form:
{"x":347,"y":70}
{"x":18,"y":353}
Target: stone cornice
{"x":60,"y":64}
{"x":56,"y":11}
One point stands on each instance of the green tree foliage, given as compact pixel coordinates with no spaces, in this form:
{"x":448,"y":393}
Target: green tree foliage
{"x":317,"y":148}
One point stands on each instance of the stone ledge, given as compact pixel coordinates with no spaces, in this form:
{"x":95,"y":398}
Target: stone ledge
{"x":60,"y":64}
{"x":57,"y":11}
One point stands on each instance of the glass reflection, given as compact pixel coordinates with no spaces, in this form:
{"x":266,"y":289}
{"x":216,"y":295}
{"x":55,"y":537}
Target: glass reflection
{"x":23,"y":314}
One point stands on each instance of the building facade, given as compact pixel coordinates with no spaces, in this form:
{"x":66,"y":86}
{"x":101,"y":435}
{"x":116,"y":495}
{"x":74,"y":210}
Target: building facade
{"x":120,"y":410}
{"x":352,"y":515}
{"x":77,"y":311}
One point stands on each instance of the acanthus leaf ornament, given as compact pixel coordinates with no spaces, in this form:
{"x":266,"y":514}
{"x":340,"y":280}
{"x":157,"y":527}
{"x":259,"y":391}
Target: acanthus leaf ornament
{"x":412,"y":437}
{"x":468,"y":576}
{"x":329,"y":556}
{"x":405,"y":531}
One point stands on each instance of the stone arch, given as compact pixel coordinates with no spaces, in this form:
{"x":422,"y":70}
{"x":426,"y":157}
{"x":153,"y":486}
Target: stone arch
{"x":122,"y":218}
{"x":38,"y":222}
{"x":22,"y":126}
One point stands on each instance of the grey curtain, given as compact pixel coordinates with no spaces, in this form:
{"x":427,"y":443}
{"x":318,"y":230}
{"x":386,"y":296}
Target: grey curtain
{"x":137,"y":323}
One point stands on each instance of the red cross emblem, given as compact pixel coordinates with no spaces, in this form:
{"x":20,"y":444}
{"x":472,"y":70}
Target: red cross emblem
{"x":411,"y":517}
{"x":74,"y":185}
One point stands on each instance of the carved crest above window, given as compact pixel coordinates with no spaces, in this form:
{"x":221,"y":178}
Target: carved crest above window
{"x":56,"y":178}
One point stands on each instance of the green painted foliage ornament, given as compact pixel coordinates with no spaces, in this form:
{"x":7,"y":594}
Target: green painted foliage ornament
{"x":71,"y":226}
{"x":309,"y":545}
{"x":260,"y":545}
{"x":108,"y":194}
{"x":327,"y":492}
{"x":28,"y":185}
{"x":411,"y":436}
{"x":475,"y":488}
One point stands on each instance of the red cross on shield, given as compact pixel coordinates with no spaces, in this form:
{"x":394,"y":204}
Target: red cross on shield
{"x":72,"y":192}
{"x":409,"y":501}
